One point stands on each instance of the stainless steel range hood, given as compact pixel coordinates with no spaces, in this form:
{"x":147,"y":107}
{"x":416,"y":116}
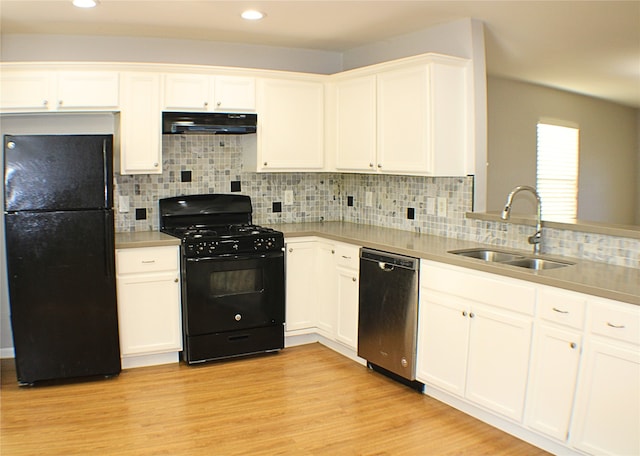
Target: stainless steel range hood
{"x":208,"y":123}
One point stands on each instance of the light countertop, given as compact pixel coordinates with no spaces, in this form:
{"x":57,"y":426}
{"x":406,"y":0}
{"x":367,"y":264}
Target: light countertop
{"x":589,"y":277}
{"x":135,"y":239}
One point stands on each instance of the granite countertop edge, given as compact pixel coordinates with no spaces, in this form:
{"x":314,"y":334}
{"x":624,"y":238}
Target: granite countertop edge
{"x":588,"y":277}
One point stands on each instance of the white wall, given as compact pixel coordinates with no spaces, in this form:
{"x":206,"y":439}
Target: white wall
{"x":609,"y":146}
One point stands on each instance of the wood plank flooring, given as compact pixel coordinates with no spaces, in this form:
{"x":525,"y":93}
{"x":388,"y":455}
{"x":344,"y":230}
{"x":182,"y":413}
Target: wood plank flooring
{"x":305,"y":400}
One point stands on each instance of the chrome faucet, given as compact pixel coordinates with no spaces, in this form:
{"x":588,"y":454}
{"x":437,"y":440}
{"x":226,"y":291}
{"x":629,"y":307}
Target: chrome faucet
{"x":535,"y":239}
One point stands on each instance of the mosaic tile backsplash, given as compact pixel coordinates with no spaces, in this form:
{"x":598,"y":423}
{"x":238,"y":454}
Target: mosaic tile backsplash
{"x":215,"y":164}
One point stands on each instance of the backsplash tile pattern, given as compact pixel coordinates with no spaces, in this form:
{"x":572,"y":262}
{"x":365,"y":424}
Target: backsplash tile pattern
{"x":215,"y":162}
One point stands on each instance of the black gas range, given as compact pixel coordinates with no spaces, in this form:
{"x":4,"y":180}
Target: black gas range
{"x":233,"y":296}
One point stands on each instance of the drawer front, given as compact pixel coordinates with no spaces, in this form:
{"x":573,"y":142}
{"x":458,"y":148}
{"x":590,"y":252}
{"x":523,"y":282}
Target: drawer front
{"x":617,"y":321}
{"x":347,"y":255}
{"x":562,"y":307}
{"x":146,"y":259}
{"x":510,"y":294}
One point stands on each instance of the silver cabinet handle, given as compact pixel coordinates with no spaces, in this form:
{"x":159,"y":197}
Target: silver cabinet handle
{"x":611,"y":325}
{"x":560,"y":311}
{"x":148,"y":261}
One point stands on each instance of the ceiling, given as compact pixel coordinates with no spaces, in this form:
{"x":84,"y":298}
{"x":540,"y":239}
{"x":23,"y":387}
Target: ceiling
{"x":590,"y":47}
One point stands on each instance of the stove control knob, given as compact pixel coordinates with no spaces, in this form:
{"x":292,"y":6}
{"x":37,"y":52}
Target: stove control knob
{"x":235,"y":246}
{"x":238,"y":317}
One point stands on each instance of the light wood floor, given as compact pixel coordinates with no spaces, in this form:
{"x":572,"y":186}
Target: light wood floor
{"x":305,"y":400}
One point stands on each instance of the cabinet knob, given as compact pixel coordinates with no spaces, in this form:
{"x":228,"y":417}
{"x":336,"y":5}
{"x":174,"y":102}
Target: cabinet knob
{"x":176,"y":280}
{"x":219,"y":103}
{"x":379,"y":165}
{"x":472,"y":315}
{"x":45,"y":103}
{"x":353,"y":279}
{"x":333,"y":252}
{"x":290,"y":249}
{"x":155,"y":165}
{"x":265,"y":163}
{"x":573,"y":345}
{"x":238,"y":317}
{"x":206,"y":103}
{"x":60,"y":103}
{"x":464,"y":313}
{"x":370,"y":165}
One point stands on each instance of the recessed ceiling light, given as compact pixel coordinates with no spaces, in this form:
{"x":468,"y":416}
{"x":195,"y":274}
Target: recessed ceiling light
{"x":85,"y":3}
{"x":252,"y":15}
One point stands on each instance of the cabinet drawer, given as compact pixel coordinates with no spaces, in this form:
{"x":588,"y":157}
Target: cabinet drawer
{"x":562,"y":307}
{"x":510,"y":294}
{"x":347,"y":255}
{"x":616,"y":321}
{"x":147,"y":259}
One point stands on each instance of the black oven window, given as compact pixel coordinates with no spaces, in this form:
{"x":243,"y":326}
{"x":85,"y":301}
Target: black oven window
{"x":224,"y":283}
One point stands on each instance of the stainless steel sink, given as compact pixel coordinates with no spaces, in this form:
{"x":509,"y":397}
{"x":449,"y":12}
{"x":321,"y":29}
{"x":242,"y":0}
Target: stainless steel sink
{"x":510,"y":258}
{"x":538,"y":263}
{"x":495,"y":256}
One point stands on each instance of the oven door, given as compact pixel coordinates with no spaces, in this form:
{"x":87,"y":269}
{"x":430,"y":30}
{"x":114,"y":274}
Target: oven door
{"x":229,"y":293}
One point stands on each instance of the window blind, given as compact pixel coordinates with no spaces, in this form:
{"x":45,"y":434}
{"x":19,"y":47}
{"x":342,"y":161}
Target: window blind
{"x":557,"y":170}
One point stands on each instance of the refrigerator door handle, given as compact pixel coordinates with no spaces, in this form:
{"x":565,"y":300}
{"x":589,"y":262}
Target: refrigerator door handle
{"x":107,"y":173}
{"x":109,"y":245}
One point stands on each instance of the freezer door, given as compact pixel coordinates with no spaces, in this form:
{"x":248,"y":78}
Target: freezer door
{"x":58,"y":172}
{"x":62,"y":294}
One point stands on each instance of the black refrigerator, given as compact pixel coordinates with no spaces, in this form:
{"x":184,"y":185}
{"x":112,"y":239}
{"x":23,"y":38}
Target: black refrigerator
{"x":59,"y":233}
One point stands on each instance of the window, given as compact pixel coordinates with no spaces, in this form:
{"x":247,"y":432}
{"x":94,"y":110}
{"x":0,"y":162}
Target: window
{"x":557,"y":170}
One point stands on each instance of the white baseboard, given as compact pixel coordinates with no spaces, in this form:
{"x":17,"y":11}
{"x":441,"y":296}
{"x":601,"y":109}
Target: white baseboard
{"x":130,"y":362}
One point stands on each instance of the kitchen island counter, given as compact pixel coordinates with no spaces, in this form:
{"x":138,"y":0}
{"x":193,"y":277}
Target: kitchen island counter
{"x":589,"y":277}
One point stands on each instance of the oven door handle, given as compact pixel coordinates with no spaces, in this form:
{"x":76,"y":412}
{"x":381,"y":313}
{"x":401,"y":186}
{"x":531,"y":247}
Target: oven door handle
{"x":227,"y":257}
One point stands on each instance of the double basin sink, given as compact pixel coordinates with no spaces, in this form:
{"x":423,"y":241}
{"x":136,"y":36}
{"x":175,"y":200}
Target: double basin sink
{"x":509,"y":258}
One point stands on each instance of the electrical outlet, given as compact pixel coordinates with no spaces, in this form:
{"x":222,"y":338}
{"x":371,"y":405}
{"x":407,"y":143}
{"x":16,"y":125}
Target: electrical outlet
{"x":123,"y":203}
{"x":368,"y":199}
{"x":288,"y":197}
{"x":442,"y":207}
{"x":349,"y":200}
{"x":411,"y":213}
{"x":431,"y":206}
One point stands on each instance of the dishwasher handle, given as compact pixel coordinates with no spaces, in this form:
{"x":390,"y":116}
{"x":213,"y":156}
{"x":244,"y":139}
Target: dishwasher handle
{"x":389,"y":261}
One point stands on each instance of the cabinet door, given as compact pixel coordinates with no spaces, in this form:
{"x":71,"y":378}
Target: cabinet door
{"x":554,"y":369}
{"x":443,"y":340}
{"x":326,"y":289}
{"x":607,"y":411}
{"x":301,"y":297}
{"x":27,"y":90}
{"x":356,"y":124}
{"x":149,"y":313}
{"x":347,"y":301}
{"x":290,"y":125}
{"x":403,"y":127}
{"x":499,"y":346}
{"x":87,"y":89}
{"x":140,"y":124}
{"x":190,"y":92}
{"x":234,"y":93}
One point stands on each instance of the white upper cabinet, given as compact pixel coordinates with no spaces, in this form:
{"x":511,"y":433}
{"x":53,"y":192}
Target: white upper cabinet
{"x":412,"y":117}
{"x":140,"y":129}
{"x":42,"y":91}
{"x":355,"y":124}
{"x":201,"y":92}
{"x":290,"y":126}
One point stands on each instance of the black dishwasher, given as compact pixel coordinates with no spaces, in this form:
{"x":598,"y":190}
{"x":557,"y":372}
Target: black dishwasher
{"x":388,"y":313}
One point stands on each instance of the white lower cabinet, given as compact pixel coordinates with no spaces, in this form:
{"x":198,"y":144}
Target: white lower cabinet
{"x":149,"y":305}
{"x":300,"y":281}
{"x":322,"y":289}
{"x":555,"y":361}
{"x":470,"y":348}
{"x":607,"y":409}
